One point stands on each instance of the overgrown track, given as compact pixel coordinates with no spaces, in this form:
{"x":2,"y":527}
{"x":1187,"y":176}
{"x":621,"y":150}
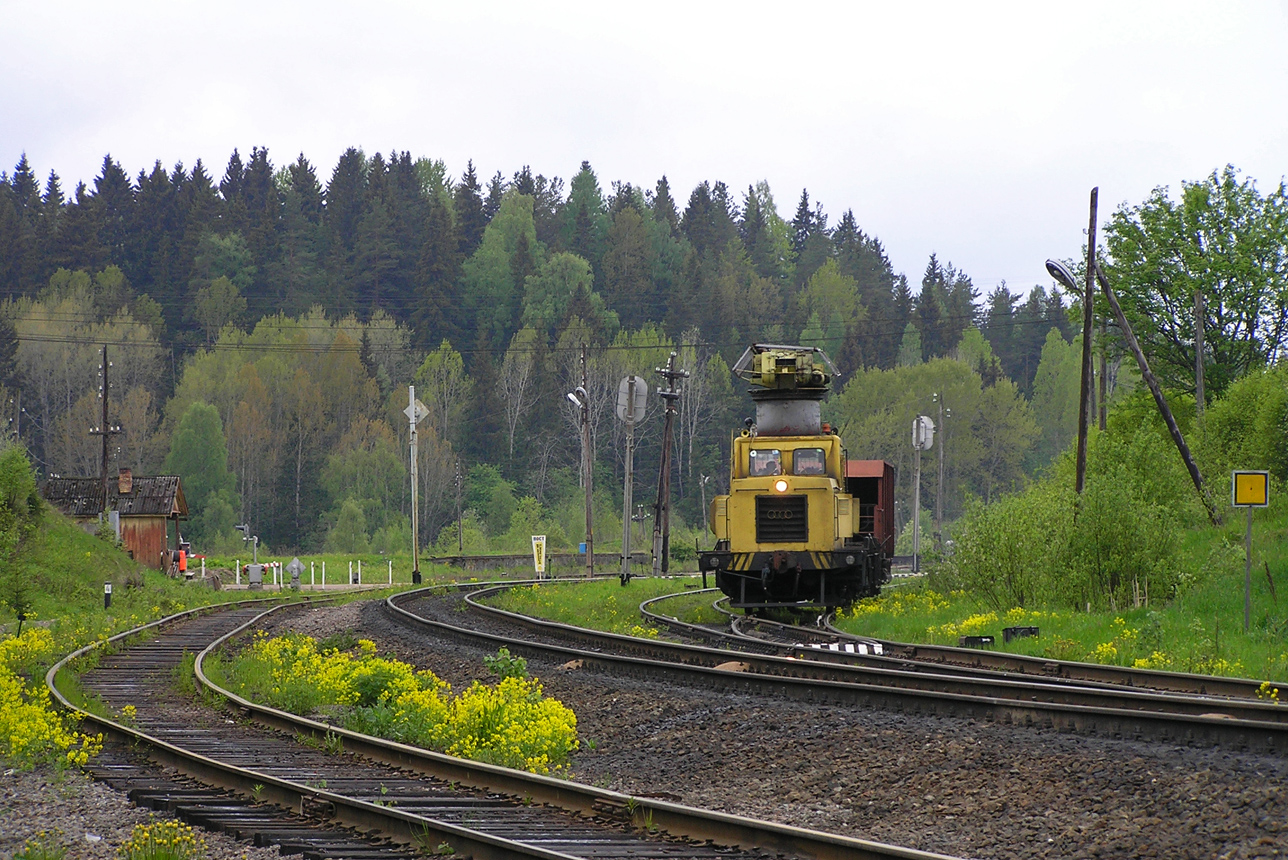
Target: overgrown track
{"x":1110,"y":711}
{"x":373,"y":798}
{"x":823,"y":641}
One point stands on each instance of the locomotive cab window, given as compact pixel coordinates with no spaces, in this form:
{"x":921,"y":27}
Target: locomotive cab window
{"x":765,"y":461}
{"x":808,"y":461}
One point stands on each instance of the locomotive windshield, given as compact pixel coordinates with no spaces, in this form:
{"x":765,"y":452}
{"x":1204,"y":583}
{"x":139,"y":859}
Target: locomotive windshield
{"x":765,"y":461}
{"x":808,"y":461}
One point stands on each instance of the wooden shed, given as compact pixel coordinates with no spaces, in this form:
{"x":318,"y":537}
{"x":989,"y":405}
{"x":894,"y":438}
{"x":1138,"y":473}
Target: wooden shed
{"x":145,"y":505}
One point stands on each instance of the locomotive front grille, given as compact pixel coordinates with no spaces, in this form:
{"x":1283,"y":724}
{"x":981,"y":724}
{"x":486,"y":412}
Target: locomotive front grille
{"x":782,"y":519}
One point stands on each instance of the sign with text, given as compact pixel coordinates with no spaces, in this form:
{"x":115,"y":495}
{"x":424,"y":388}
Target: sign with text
{"x":539,"y":554}
{"x":1250,"y":489}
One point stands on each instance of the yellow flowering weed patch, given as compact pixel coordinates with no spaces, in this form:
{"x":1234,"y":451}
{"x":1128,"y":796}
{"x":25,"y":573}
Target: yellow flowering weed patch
{"x":511,"y":723}
{"x":31,"y":731}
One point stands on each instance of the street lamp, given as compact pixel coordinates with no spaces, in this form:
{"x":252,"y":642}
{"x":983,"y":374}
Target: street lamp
{"x":702,"y":485}
{"x":1060,"y":272}
{"x":578,"y":398}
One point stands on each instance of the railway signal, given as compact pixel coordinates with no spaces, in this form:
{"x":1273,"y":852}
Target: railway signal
{"x":416,"y":412}
{"x":923,"y":437}
{"x":632,"y":396}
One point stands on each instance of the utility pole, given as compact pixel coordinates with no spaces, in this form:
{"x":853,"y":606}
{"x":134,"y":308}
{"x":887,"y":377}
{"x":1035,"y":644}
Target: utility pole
{"x":1199,"y":314}
{"x":106,"y":429}
{"x":587,"y":459}
{"x":1088,"y":299}
{"x":939,"y":489}
{"x":1157,"y":391}
{"x":1103,"y":400}
{"x":662,"y":507}
{"x":460,"y":535}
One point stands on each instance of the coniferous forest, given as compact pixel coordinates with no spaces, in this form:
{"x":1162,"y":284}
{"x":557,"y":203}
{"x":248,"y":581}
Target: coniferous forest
{"x":263,"y":322}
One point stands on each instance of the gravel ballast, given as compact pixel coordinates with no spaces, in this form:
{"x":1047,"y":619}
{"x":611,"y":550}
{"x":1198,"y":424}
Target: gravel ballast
{"x":956,"y":786}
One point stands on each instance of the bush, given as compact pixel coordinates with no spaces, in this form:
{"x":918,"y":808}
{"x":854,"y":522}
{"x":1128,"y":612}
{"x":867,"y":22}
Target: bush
{"x":1248,"y":427}
{"x":1108,"y":548}
{"x":20,"y":504}
{"x":31,"y":731}
{"x":511,"y":724}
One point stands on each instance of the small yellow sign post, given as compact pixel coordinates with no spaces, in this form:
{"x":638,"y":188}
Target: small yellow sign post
{"x":539,"y":555}
{"x":1249,"y":490}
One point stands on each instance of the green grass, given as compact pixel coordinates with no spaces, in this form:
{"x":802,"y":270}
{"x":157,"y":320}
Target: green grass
{"x":63,"y":571}
{"x":693,"y":608}
{"x":1199,"y":629}
{"x":600,"y":605}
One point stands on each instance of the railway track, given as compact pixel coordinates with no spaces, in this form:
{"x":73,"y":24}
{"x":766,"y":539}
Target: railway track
{"x":276,"y":779}
{"x":826,"y":641}
{"x":1092,"y":708}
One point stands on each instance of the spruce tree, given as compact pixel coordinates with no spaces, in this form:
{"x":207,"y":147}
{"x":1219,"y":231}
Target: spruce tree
{"x":471,"y":220}
{"x":998,"y":327}
{"x":495,"y":190}
{"x":663,"y":207}
{"x":114,"y":207}
{"x":345,"y":197}
{"x":263,"y":202}
{"x":78,"y":239}
{"x":232,"y":209}
{"x":436,"y":307}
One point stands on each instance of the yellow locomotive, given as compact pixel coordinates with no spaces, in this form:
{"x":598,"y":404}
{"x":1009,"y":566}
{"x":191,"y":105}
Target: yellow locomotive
{"x":801,"y":526}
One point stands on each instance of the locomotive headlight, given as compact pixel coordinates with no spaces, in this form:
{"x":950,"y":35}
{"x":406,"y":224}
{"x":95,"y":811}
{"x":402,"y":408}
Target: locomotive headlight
{"x":849,"y":559}
{"x":780,"y":485}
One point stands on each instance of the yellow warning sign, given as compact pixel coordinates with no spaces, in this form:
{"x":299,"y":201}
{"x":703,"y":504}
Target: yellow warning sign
{"x":539,"y":554}
{"x":1250,"y":489}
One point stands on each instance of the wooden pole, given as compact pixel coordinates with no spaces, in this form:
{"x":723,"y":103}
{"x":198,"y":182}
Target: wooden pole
{"x":1199,"y":314}
{"x":1103,"y":400}
{"x":1157,"y":391}
{"x":1088,"y":299}
{"x":587,"y":463}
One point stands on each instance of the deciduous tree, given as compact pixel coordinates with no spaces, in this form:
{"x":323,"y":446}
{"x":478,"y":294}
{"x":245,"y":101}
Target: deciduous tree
{"x":1222,"y":238}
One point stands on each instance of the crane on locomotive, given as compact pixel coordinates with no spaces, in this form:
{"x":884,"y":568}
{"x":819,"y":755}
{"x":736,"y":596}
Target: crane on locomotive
{"x":801,"y":526}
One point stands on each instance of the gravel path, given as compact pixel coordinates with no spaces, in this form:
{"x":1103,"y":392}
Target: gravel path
{"x":959,"y":787}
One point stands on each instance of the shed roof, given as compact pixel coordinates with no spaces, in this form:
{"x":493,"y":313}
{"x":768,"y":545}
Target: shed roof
{"x":158,"y":496}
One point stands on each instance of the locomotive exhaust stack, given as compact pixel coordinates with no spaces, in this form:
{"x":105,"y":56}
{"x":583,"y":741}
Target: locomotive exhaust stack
{"x":801,"y":525}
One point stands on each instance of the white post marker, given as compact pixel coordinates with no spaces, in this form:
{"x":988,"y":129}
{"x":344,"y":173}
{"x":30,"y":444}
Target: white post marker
{"x":237,"y":569}
{"x":359,"y":571}
{"x":391,"y":571}
{"x":311,"y":583}
{"x":539,"y":555}
{"x":351,"y":573}
{"x":324,"y":575}
{"x":1249,"y":490}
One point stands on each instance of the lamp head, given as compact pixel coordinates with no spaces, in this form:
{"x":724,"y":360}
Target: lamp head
{"x":1061,"y":273}
{"x":575,"y":400}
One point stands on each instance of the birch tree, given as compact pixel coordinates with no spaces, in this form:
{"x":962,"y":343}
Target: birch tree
{"x":516,"y":383}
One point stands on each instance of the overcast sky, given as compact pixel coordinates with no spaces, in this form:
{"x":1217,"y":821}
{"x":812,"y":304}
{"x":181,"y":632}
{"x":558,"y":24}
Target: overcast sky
{"x":971,"y":130}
